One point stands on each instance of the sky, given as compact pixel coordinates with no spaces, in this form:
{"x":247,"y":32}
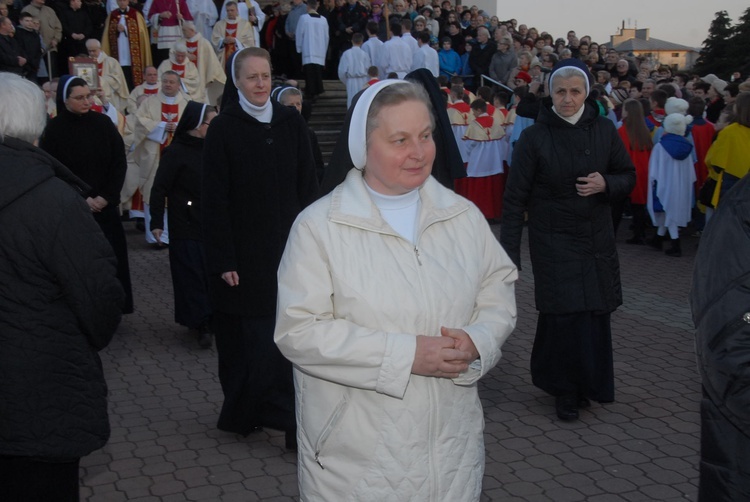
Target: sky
{"x":683,"y":22}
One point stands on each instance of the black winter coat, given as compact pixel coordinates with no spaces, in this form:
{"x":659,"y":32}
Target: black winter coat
{"x":179,"y":179}
{"x":256,"y":179}
{"x":60,"y":303}
{"x":571,"y":238}
{"x":720,"y":300}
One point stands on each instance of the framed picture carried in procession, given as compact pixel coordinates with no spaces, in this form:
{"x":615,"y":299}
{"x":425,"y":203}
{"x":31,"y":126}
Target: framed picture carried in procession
{"x":85,"y":68}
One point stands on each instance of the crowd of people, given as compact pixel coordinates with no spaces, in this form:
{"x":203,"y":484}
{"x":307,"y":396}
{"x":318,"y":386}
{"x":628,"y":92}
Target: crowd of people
{"x":189,"y":115}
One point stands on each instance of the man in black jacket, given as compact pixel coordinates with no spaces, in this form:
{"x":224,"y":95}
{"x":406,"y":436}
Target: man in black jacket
{"x":11,"y":55}
{"x":31,"y":44}
{"x":481,"y":55}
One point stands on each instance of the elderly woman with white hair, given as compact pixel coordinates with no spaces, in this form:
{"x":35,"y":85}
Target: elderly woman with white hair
{"x":394,"y":300}
{"x":567,"y":167}
{"x":61,"y":304}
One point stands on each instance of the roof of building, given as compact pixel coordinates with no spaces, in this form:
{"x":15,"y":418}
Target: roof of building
{"x":652,"y":44}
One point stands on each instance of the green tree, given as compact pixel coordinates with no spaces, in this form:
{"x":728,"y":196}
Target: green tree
{"x":714,"y":56}
{"x":739,"y":47}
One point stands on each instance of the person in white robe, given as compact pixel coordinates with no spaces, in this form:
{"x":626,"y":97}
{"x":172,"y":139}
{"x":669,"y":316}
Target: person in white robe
{"x":205,"y":16}
{"x":396,"y":56}
{"x":232,"y":34}
{"x":373,"y":46}
{"x":156,"y":121}
{"x":353,"y":68}
{"x":201,"y":53}
{"x":311,"y":39}
{"x":411,"y":42}
{"x":149,"y":87}
{"x":249,"y":10}
{"x":671,"y":175}
{"x":426,"y":56}
{"x":190,"y":80}
{"x":111,"y":78}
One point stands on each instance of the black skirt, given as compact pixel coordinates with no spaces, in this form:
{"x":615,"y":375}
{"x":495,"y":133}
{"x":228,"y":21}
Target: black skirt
{"x":187,"y":261}
{"x":572,"y":354}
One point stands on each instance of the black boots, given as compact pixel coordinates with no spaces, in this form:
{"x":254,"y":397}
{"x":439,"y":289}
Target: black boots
{"x":676,"y":249}
{"x":567,"y":407}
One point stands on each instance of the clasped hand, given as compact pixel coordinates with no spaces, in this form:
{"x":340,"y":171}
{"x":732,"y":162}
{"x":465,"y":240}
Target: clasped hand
{"x":591,"y":184}
{"x":445,"y":356}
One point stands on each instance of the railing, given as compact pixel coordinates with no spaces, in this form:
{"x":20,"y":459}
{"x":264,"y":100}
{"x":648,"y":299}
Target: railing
{"x":485,"y":77}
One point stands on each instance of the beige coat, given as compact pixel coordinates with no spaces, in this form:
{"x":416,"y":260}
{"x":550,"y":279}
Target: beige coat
{"x":353,"y":295}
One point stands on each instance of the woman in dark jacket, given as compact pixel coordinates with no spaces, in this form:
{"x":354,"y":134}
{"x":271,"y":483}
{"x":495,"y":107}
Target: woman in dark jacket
{"x":88,"y":144}
{"x":566,"y":169}
{"x":720,"y":300}
{"x":61,"y":304}
{"x":258,"y":174}
{"x":179,"y":180}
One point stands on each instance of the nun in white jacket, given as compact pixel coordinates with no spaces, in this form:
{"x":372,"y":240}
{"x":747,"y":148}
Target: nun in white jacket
{"x":394,"y":300}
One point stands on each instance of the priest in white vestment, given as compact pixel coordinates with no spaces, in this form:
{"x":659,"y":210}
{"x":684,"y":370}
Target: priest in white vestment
{"x":232,"y":34}
{"x":149,"y":87}
{"x":426,"y":57}
{"x":205,"y":16}
{"x":201,"y":53}
{"x":311,"y":39}
{"x":156,"y":121}
{"x":111,"y":78}
{"x":396,"y":56}
{"x":249,"y":10}
{"x":191,"y":82}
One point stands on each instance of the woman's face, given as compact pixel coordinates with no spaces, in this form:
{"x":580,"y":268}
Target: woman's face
{"x":80,"y":100}
{"x":451,"y":17}
{"x":419,"y":26}
{"x":295,"y":101}
{"x":254,"y":80}
{"x":400,"y":152}
{"x":568,"y":95}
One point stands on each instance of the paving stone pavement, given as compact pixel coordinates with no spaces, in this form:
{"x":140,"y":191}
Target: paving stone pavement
{"x":165,"y":398}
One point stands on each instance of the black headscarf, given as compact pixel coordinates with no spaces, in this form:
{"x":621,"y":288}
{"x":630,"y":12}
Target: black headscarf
{"x":231,"y":94}
{"x":192,"y":117}
{"x":448,"y":164}
{"x":65,"y":88}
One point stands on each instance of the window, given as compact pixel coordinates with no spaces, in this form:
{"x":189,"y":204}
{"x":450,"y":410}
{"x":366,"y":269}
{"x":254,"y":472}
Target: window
{"x":675,"y":54}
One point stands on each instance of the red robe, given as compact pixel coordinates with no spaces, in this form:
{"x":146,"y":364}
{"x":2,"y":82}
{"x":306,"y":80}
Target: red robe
{"x":703,"y":135}
{"x":640,"y":160}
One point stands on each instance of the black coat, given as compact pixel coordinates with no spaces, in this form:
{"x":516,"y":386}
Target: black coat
{"x":256,"y":179}
{"x":571,"y":238}
{"x":10,"y":50}
{"x":75,"y":21}
{"x":480,"y":58}
{"x":31,"y":45}
{"x":179,"y":179}
{"x":720,"y":300}
{"x":60,"y":304}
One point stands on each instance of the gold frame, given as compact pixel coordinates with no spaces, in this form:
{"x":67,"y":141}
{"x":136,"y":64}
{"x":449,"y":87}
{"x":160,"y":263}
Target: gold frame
{"x":85,"y":68}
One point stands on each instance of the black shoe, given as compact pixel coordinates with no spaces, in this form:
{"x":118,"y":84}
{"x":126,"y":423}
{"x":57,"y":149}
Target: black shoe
{"x":567,"y":407}
{"x":656,"y":242}
{"x":290,"y":440}
{"x":676,"y":249}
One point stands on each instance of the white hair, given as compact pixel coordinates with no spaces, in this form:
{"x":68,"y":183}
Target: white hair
{"x":188,"y":24}
{"x":93,"y":43}
{"x":180,"y":47}
{"x":23,"y":114}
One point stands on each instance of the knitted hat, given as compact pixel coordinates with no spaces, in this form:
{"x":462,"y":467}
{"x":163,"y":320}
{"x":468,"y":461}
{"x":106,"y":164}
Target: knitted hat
{"x":709,"y":79}
{"x":524,"y":76}
{"x":676,"y":105}
{"x":618,"y":96}
{"x":676,"y":123}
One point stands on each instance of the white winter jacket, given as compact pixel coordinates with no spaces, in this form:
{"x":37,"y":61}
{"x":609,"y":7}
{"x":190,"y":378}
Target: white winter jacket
{"x":353,"y":295}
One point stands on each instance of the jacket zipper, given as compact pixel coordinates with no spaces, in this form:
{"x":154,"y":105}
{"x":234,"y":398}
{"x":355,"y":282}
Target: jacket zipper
{"x":728,"y":330}
{"x":332,"y":422}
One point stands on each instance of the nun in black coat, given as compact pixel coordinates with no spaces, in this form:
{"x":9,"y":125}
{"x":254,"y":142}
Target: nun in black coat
{"x":90,"y":146}
{"x":258,"y":175}
{"x":178,"y":179}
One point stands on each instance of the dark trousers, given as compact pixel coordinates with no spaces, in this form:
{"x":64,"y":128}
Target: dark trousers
{"x":128,"y":72}
{"x":572,"y":354}
{"x":313,"y":80}
{"x":256,"y":379}
{"x":24,"y":479}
